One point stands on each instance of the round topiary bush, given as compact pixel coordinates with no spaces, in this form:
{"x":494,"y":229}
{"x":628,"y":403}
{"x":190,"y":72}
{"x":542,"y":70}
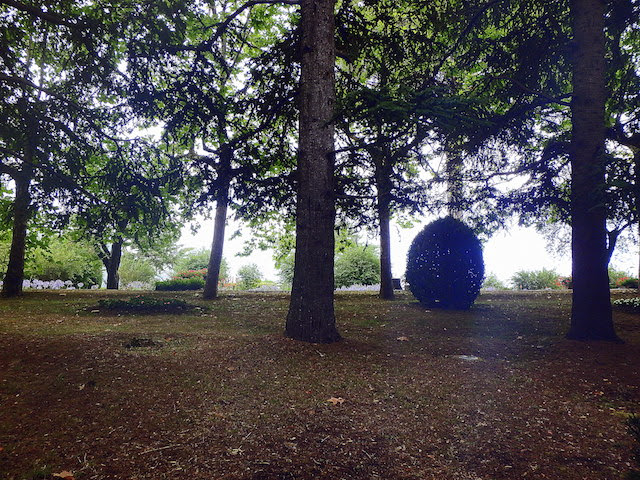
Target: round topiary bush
{"x":445,"y":268}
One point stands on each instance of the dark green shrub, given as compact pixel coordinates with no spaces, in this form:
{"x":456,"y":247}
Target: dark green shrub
{"x":145,"y":304}
{"x":444,"y":266}
{"x":629,"y":283}
{"x":179,"y":284}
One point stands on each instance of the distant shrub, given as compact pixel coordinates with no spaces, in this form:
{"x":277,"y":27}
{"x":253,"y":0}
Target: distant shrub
{"x":357,"y":265}
{"x":536,"y":279}
{"x":616,"y":277}
{"x":445,"y":266}
{"x":566,"y":282}
{"x":628,"y":283}
{"x":249,"y":277}
{"x":492,"y":282}
{"x":179,"y":284}
{"x":202,"y":273}
{"x":144,"y":303}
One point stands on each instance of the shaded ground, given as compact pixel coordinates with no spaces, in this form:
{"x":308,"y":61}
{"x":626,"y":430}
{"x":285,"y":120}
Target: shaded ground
{"x":221,"y":394}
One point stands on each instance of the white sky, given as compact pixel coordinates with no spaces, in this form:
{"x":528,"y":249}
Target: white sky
{"x":504,"y":254}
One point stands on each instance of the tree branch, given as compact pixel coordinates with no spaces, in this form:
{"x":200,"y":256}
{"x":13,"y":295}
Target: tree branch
{"x":38,"y":13}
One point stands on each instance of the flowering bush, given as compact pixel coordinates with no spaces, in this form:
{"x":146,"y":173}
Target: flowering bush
{"x":631,"y":303}
{"x":202,"y":273}
{"x":53,"y":284}
{"x":179,"y":284}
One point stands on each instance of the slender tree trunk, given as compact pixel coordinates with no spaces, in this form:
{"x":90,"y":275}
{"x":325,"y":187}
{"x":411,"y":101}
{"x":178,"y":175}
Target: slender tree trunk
{"x":383,"y":186}
{"x":215,"y":260}
{"x":311,"y":316}
{"x":591,"y":317}
{"x":12,"y":285}
{"x":113,"y":265}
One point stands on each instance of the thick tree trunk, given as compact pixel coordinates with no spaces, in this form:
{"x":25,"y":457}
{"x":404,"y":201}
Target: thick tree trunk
{"x":311,"y":316}
{"x":113,"y":265}
{"x":591,"y":317}
{"x":383,"y":186}
{"x":636,"y":164}
{"x":12,"y":285}
{"x":215,"y":260}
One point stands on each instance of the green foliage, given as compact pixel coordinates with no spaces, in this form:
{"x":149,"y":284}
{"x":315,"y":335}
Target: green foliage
{"x":249,"y":277}
{"x":445,"y":267}
{"x":285,"y":268}
{"x":135,"y":269}
{"x":620,"y":279}
{"x":64,"y":259}
{"x":629,"y":283}
{"x":357,"y":265}
{"x":192,"y":274}
{"x":179,"y":284}
{"x":491,"y":281}
{"x":146,"y":304}
{"x":197,"y":260}
{"x":536,"y":279}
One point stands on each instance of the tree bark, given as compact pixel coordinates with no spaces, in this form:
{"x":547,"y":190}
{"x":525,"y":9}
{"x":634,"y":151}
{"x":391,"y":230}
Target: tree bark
{"x":112,"y":264}
{"x":220,"y":221}
{"x":454,"y":184}
{"x":12,"y":285}
{"x":591,"y":317}
{"x":384,"y":186}
{"x":636,"y":166}
{"x":311,"y":316}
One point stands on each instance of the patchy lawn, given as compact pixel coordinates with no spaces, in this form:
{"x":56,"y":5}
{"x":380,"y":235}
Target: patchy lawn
{"x":219,"y":393}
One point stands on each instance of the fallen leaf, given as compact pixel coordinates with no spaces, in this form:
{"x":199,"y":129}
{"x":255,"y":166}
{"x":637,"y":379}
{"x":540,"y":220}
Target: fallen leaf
{"x":403,"y":339}
{"x":336,"y":400}
{"x":66,"y":475}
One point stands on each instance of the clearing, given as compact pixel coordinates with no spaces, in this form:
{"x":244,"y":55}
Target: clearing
{"x":219,"y":393}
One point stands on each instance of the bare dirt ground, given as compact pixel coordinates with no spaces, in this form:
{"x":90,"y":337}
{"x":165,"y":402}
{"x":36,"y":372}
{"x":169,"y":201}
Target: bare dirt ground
{"x":493,"y":393}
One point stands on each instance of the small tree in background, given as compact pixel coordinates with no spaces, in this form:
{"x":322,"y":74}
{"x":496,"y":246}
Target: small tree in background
{"x":357,"y":265}
{"x":136,"y":269}
{"x":445,"y":267}
{"x":536,"y":279}
{"x":249,"y":276}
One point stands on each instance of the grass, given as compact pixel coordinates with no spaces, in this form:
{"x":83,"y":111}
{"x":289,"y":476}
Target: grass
{"x":225,"y":395}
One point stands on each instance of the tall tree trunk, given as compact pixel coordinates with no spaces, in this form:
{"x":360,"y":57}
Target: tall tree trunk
{"x":454,"y":184}
{"x":113,"y":265}
{"x":384,"y":186}
{"x":217,"y":245}
{"x":636,"y":166}
{"x":311,"y":316}
{"x":591,"y":317}
{"x":12,"y":285}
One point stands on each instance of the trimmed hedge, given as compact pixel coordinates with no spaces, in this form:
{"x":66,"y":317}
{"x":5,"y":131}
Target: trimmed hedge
{"x":180,"y":284}
{"x":445,"y":268}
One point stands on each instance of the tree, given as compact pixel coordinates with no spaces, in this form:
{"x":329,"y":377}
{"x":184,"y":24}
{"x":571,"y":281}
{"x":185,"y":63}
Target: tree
{"x":311,"y":316}
{"x":249,"y":276}
{"x":193,"y":72}
{"x":591,"y":317}
{"x":59,"y":89}
{"x":357,"y":265}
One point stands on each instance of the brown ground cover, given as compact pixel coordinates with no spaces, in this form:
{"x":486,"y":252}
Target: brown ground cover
{"x":493,"y":393}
